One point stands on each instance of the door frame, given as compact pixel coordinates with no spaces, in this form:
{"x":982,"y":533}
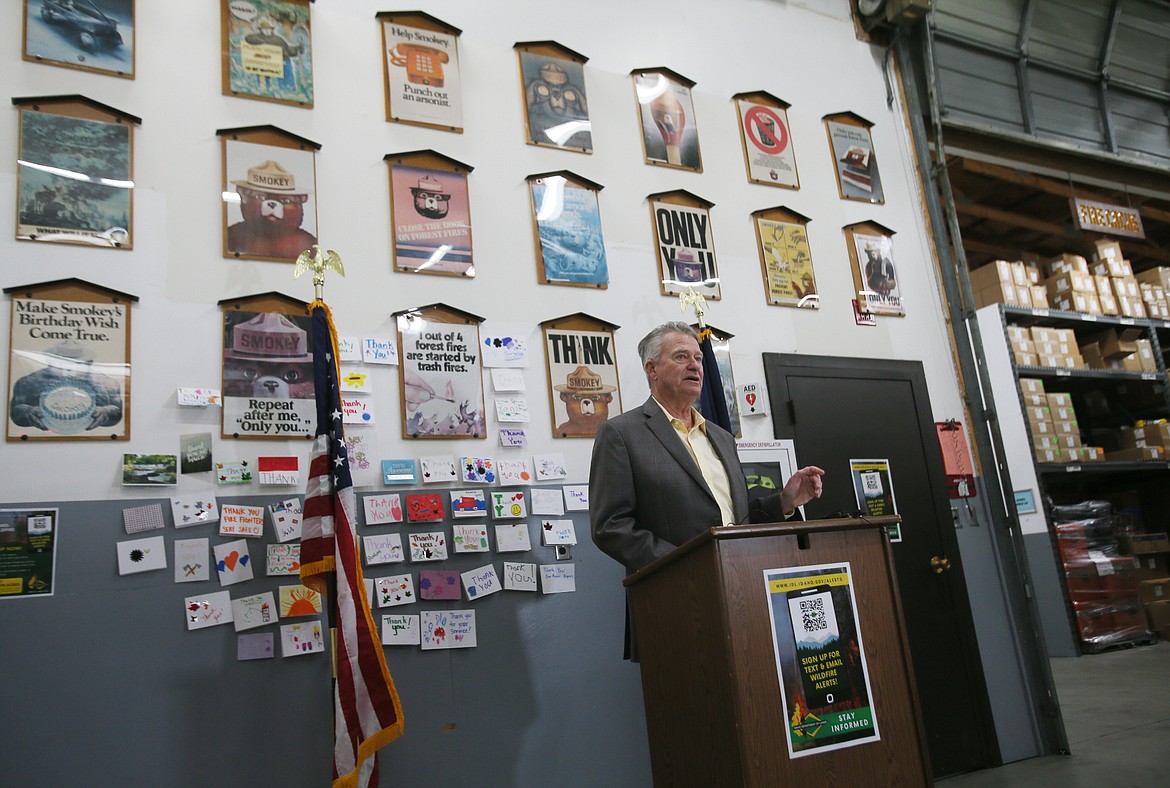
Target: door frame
{"x":777,"y":367}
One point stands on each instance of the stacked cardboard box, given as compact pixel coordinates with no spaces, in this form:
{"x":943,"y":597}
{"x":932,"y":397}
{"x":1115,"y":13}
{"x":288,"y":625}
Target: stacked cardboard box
{"x":1143,"y":442}
{"x":1102,"y":583}
{"x":1023,"y":348}
{"x":1156,"y":279}
{"x":1070,"y":285}
{"x":1004,"y":282}
{"x":1056,"y":347}
{"x":1108,"y":261}
{"x":1149,"y":552}
{"x":1038,"y":415}
{"x":1119,"y":349}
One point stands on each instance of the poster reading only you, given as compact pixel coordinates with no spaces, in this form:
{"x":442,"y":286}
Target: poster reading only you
{"x":820,"y":659}
{"x":267,"y":375}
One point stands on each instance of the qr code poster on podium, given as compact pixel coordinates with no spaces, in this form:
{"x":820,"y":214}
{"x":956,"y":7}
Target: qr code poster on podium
{"x":820,"y":659}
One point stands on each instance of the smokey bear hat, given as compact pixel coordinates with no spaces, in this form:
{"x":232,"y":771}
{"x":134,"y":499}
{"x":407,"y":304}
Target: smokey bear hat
{"x":269,"y":337}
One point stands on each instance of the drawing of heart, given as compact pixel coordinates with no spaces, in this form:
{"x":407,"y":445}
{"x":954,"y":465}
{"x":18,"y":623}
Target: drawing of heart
{"x":229,"y":562}
{"x":751,"y":399}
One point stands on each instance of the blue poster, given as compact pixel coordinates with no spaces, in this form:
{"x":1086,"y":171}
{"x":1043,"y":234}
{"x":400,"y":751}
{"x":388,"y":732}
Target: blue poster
{"x":569,"y":221}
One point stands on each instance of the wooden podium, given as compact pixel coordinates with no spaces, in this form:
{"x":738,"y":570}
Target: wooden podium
{"x":714,"y":710}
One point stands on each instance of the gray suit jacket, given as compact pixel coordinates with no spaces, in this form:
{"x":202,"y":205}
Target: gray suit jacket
{"x":646,"y":495}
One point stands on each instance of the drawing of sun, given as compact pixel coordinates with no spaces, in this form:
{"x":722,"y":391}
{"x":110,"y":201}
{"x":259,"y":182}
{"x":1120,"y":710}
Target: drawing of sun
{"x":299,"y":601}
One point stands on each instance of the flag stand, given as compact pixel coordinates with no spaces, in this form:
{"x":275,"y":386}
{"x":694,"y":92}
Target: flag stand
{"x":367,"y":710}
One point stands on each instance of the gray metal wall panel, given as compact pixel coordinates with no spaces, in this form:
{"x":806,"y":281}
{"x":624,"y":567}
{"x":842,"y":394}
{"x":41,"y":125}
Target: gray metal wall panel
{"x":1140,"y":126}
{"x":994,"y":21}
{"x":1066,"y":108}
{"x":979,"y":87}
{"x":1069,"y":33}
{"x":1140,"y":54}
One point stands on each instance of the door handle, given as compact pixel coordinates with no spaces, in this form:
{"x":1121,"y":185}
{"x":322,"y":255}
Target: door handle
{"x":940,"y":565}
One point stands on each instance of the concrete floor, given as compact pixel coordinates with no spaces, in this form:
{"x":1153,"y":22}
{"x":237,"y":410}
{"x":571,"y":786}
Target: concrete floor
{"x":1116,"y":708}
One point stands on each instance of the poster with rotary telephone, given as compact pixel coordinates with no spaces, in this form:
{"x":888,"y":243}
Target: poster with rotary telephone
{"x":584,"y":391}
{"x":268,"y":389}
{"x":420,"y":66}
{"x":69,"y":362}
{"x":269,"y":194}
{"x":431,"y":214}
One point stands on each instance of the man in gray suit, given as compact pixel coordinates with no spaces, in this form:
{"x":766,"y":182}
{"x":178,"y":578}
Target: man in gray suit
{"x":661,"y":474}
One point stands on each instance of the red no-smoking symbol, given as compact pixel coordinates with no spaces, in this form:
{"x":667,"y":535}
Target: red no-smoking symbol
{"x":765,"y":129}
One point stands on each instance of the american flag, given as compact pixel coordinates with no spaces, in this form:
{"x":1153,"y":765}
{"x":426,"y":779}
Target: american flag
{"x":367,"y":712}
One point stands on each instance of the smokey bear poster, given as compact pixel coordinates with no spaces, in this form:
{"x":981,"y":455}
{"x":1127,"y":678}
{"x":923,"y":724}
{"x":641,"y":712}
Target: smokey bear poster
{"x":270,"y":205}
{"x":268,"y":50}
{"x":267,"y":376}
{"x":582,"y":368}
{"x":686,"y":249}
{"x":69,"y":371}
{"x":442,"y":382}
{"x":557,"y":111}
{"x":432,"y":221}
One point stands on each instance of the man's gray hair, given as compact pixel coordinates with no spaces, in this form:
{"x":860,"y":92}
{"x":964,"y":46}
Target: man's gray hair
{"x":651,"y":345}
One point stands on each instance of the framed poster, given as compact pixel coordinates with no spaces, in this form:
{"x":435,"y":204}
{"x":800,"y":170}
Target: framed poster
{"x":820,"y":659}
{"x":670,"y":133}
{"x":267,"y":50}
{"x":767,"y":140}
{"x":871,"y":252}
{"x":721,"y":348}
{"x":268,"y":389}
{"x":69,"y":362}
{"x":28,"y":556}
{"x":62,"y":138}
{"x":854,"y":162}
{"x":684,"y":245}
{"x":875,"y":492}
{"x":567,"y":230}
{"x":431,"y":213}
{"x":584,"y":391}
{"x":556,"y":110}
{"x":442,"y":377}
{"x":420,"y":69}
{"x":269,"y":194}
{"x":90,"y":35}
{"x":785,"y":259}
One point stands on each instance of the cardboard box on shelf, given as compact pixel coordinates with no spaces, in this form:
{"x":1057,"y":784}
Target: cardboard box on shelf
{"x":1039,"y":296}
{"x":1062,"y":413}
{"x":1091,"y":353}
{"x":1115,"y":343}
{"x":994,"y":273}
{"x":1031,"y":385}
{"x":1044,"y":442}
{"x":1050,"y":455}
{"x":1065,"y":263}
{"x":1038,"y":414}
{"x":1145,"y":354}
{"x":1151,"y":566}
{"x":1072,"y":301}
{"x":1143,"y":544}
{"x":1147,"y":435}
{"x":1158,"y":276}
{"x":1116,"y":267}
{"x":1108,"y":250}
{"x":1093,"y":304}
{"x":1035,"y":400}
{"x":1018,"y":332}
{"x":1026,"y":360}
{"x":1156,"y":590}
{"x":1109,"y":305}
{"x":1090,"y":454}
{"x":1068,"y":440}
{"x":1023,"y":345}
{"x":1139,"y":454}
{"x":1131,"y":307}
{"x":1126,"y":287}
{"x":1059,"y":399}
{"x":1065,"y":427}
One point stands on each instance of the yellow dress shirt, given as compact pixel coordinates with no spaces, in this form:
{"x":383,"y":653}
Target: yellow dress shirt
{"x":703,"y":453}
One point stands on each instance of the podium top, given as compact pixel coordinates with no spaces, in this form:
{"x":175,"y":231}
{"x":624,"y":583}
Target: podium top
{"x":759,"y":530}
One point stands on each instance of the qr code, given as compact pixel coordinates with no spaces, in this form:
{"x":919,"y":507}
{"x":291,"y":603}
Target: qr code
{"x":812,"y":615}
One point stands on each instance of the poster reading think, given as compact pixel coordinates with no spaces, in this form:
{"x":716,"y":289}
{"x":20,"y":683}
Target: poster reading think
{"x":267,"y":375}
{"x":686,"y":251}
{"x":441,"y":379}
{"x":582,"y":369}
{"x":820,"y":659}
{"x":69,"y":370}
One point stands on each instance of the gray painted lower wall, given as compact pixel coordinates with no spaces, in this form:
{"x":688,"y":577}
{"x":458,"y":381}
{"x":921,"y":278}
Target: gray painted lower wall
{"x":104,"y":686}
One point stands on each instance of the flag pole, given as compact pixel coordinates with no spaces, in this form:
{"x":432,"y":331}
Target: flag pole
{"x":318,"y":263}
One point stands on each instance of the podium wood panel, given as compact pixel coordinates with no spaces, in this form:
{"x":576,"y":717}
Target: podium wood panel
{"x":713,"y":705}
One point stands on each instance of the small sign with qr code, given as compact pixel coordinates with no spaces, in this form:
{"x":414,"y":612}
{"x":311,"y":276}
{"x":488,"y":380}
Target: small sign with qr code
{"x":824,"y":681}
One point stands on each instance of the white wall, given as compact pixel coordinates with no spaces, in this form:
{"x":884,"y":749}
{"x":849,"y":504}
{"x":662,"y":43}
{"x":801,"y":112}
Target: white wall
{"x":803,"y":51}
